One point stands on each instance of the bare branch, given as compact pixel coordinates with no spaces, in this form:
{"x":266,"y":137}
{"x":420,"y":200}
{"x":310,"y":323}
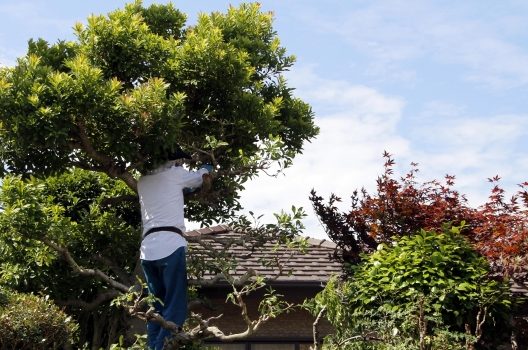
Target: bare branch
{"x":203,"y":324}
{"x":480,"y":320}
{"x":204,"y":329}
{"x":92,"y":305}
{"x":84,"y":271}
{"x":87,"y":146}
{"x":128,"y":179}
{"x":120,"y":273}
{"x":243,"y":306}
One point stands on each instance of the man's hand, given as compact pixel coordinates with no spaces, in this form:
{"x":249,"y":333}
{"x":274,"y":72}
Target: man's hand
{"x":207,"y":181}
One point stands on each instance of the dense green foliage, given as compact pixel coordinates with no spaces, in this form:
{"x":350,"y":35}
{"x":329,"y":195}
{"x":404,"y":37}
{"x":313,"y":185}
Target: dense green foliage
{"x":426,"y":285}
{"x":138,"y":82}
{"x":73,"y":210}
{"x":83,"y":212}
{"x":31,"y":322}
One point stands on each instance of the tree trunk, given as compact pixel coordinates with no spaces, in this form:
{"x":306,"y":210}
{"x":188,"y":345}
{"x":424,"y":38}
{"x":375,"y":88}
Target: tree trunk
{"x":513,"y":336}
{"x":113,"y":332}
{"x":99,"y":325}
{"x":422,"y":325}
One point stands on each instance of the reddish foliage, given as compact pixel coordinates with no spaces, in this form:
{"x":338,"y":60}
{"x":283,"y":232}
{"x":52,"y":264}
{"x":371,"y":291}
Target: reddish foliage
{"x":498,"y":229}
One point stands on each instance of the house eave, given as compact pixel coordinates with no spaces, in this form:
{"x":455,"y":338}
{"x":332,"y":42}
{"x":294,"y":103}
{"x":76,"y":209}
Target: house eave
{"x":289,"y":284}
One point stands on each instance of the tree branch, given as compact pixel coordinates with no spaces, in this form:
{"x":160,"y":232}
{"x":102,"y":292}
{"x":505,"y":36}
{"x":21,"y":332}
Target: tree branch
{"x":120,"y":273}
{"x":316,"y":328}
{"x":128,"y":179}
{"x":480,"y":320}
{"x":83,"y":271}
{"x":204,"y":329}
{"x":107,"y":163}
{"x":87,"y":146}
{"x":92,"y":305}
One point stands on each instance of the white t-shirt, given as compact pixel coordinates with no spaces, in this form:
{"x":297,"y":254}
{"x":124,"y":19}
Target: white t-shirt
{"x":161,"y":200}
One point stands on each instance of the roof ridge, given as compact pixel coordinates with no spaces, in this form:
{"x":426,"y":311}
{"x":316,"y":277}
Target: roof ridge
{"x":321,"y":242}
{"x":210,"y":230}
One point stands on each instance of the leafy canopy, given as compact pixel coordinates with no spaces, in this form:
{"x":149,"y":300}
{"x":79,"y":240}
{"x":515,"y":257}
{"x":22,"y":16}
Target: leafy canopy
{"x":81,"y":120}
{"x":138,"y":82}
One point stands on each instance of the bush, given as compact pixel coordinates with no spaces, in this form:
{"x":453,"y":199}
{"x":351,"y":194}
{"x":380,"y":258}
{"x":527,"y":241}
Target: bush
{"x":427,"y":289}
{"x":31,"y":322}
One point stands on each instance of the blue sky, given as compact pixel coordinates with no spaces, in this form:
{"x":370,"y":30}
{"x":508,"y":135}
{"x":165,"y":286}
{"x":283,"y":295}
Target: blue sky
{"x":441,"y":83}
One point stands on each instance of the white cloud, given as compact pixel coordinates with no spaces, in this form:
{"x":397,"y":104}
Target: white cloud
{"x":394,"y":35}
{"x":446,"y":140}
{"x":357,"y":124}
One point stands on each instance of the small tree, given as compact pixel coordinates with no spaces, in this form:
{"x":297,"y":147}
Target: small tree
{"x":68,"y":236}
{"x":401,"y":207}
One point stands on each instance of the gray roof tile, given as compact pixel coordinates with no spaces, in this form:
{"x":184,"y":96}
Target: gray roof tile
{"x":312,"y":266}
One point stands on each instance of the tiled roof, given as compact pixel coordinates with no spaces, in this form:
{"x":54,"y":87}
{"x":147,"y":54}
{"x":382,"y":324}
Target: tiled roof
{"x":313,"y":266}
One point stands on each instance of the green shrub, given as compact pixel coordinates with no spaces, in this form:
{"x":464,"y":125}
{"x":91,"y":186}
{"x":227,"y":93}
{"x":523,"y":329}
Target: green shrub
{"x":429,"y":286}
{"x":31,"y":322}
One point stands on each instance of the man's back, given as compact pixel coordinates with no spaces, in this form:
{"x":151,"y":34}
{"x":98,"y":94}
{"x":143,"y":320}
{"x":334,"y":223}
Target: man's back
{"x":162,"y":204}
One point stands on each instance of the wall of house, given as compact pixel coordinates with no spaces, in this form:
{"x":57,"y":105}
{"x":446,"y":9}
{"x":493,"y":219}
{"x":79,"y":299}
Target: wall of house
{"x":292,"y":331}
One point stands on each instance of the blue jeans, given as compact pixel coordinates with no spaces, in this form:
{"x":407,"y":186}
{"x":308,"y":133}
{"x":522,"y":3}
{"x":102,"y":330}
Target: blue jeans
{"x":167,"y":281}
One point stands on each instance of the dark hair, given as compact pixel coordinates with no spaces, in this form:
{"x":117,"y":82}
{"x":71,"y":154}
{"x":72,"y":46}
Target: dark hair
{"x":178,"y":154}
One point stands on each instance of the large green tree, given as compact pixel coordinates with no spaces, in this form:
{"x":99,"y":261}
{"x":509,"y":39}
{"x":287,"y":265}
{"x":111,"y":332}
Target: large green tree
{"x":138,"y":82}
{"x":81,"y":120}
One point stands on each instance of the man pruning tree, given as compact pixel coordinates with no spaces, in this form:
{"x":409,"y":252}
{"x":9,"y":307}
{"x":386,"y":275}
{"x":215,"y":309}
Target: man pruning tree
{"x":163,"y":246}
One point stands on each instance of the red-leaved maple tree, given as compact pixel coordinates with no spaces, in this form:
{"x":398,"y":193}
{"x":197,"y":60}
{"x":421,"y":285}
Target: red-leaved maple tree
{"x":498,"y":229}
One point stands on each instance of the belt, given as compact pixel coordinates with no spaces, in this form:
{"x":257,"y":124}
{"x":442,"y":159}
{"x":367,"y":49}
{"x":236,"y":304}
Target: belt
{"x":163,"y":228}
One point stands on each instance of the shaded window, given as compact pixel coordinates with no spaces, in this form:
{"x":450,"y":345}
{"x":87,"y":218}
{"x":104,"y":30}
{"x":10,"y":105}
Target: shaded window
{"x":259,"y":346}
{"x":255,"y":346}
{"x":226,"y":347}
